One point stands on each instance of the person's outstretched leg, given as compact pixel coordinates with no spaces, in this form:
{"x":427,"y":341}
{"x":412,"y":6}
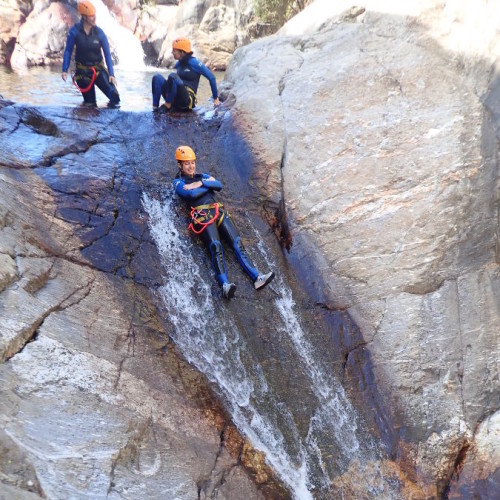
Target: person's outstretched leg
{"x":159,"y":89}
{"x":173,"y":81}
{"x":107,"y":88}
{"x":212,"y":240}
{"x":229,"y":231}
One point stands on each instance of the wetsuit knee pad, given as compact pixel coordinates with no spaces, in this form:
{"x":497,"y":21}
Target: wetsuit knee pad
{"x":157,"y":79}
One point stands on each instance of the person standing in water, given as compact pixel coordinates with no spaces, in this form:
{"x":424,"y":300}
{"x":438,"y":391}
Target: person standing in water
{"x":90,"y":42}
{"x":210,"y":220}
{"x":179,"y":89}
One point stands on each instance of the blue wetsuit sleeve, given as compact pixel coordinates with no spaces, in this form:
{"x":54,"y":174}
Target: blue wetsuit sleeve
{"x":70,"y":44}
{"x":188,"y":194}
{"x":201,"y":69}
{"x":107,"y":53}
{"x":214,"y":184}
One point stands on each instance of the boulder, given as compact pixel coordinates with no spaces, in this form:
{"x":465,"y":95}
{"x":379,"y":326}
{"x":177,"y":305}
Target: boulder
{"x":479,"y":462}
{"x":12,"y":15}
{"x":126,"y":12}
{"x":374,"y":137}
{"x":152,"y":28}
{"x":215,"y":30}
{"x":41,"y":38}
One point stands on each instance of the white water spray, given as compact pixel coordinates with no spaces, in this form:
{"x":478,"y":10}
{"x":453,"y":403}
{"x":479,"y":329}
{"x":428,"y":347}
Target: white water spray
{"x":124,"y":43}
{"x":215,"y":347}
{"x":210,"y":340}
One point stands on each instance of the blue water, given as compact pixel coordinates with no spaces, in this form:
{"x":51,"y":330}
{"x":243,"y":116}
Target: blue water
{"x":42,"y":86}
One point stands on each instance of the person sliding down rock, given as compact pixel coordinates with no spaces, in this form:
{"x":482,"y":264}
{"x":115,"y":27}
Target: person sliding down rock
{"x":179,"y":90}
{"x":210,"y":218}
{"x":90,"y":42}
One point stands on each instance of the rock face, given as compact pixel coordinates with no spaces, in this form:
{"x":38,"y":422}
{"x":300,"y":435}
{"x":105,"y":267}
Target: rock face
{"x":12,"y":15}
{"x":41,"y":38}
{"x":216,"y":28}
{"x":380,"y":141}
{"x":94,"y":398}
{"x":34,"y":33}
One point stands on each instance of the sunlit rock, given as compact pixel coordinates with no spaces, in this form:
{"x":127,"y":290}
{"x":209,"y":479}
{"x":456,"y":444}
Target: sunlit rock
{"x":215,"y":30}
{"x":380,"y":136}
{"x":478,"y":462}
{"x":12,"y":15}
{"x":41,"y":38}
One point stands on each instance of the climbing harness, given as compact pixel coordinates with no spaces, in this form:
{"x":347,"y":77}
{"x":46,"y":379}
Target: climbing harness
{"x":201,"y":216}
{"x":192,"y":97}
{"x":86,"y":89}
{"x":95,"y":74}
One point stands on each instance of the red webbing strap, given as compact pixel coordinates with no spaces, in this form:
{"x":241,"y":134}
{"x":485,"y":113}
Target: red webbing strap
{"x":92,"y":80}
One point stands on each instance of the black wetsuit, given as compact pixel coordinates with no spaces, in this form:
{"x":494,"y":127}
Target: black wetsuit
{"x":180,"y":88}
{"x":88,"y":55}
{"x":204,"y":196}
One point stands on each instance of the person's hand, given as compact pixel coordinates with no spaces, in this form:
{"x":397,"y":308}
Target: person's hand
{"x":193,"y":185}
{"x":210,"y":178}
{"x":64,"y":75}
{"x":112,"y":80}
{"x":216,"y":102}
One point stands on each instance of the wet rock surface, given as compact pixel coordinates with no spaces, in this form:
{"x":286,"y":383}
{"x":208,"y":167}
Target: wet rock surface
{"x":95,"y":398}
{"x":389,"y":184}
{"x":385,"y":192}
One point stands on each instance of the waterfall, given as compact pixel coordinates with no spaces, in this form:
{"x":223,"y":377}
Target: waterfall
{"x":210,"y":340}
{"x":124,"y":43}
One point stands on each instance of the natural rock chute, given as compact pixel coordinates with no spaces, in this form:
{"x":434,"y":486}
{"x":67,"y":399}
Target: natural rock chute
{"x":96,"y":399}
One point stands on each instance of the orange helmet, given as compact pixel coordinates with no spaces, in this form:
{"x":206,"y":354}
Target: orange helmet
{"x":184,"y":153}
{"x":86,"y":8}
{"x":182,"y":44}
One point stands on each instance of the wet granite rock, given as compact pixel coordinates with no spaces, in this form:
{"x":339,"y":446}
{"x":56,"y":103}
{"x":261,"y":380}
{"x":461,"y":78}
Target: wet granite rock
{"x":95,"y":400}
{"x":379,"y":136}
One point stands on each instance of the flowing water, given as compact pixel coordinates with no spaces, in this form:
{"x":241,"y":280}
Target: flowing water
{"x":308,"y":440}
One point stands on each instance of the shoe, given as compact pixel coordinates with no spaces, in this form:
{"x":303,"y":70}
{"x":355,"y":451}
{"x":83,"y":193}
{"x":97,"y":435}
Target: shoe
{"x":113,"y":105}
{"x":228,"y":290}
{"x":263,"y":280}
{"x":89,"y":104}
{"x":161,"y":109}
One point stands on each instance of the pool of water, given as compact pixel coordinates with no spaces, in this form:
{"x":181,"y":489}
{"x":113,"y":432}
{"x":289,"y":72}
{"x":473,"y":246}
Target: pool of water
{"x":41,"y":86}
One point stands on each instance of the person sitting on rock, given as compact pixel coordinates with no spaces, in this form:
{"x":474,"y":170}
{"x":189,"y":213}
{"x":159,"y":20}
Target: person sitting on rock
{"x":90,"y":42}
{"x":179,"y":89}
{"x":209,"y":218}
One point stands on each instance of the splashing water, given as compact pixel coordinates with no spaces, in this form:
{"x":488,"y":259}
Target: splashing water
{"x":213,"y":345}
{"x":126,"y":45}
{"x":210,"y":340}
